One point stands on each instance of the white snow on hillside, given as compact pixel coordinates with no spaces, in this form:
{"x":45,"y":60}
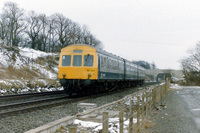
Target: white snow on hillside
{"x":33,"y":54}
{"x":25,"y":59}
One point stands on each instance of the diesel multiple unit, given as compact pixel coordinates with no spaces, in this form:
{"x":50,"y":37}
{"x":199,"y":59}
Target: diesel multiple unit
{"x":85,"y":69}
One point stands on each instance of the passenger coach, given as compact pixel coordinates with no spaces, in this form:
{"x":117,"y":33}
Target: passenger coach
{"x":85,"y":69}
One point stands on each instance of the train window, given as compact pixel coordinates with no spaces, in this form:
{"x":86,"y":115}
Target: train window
{"x":77,"y":60}
{"x":117,"y":65}
{"x":88,"y":60}
{"x":66,"y":60}
{"x":107,"y":61}
{"x":104,"y":62}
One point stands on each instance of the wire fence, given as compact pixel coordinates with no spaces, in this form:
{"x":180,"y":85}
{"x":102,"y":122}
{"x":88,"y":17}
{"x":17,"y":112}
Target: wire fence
{"x":126,"y":115}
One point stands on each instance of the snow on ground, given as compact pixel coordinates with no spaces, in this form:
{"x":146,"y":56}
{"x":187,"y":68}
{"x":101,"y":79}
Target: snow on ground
{"x":20,"y":58}
{"x":96,"y":127}
{"x":191,"y":87}
{"x":4,"y":60}
{"x":33,"y":54}
{"x":175,"y":86}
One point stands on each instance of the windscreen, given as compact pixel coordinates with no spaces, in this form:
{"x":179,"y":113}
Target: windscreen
{"x":66,"y":60}
{"x":77,"y":59}
{"x":88,"y":60}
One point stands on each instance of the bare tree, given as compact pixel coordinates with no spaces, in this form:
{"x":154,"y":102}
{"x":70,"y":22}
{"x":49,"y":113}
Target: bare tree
{"x":38,"y":31}
{"x":89,"y":39}
{"x":3,"y":29}
{"x":62,"y":29}
{"x":191,"y":66}
{"x":14,"y":18}
{"x":41,"y":32}
{"x":33,"y":29}
{"x":43,"y":36}
{"x":75,"y":33}
{"x":52,"y":34}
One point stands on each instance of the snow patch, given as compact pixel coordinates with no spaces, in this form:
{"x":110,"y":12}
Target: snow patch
{"x":33,"y":54}
{"x":96,"y":127}
{"x":196,"y":109}
{"x":175,"y":86}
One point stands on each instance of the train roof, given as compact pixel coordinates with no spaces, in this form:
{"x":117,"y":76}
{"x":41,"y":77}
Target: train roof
{"x":109,"y":54}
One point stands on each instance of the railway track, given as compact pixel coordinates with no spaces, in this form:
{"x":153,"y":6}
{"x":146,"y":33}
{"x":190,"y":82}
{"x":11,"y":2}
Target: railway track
{"x":28,"y":95}
{"x":12,"y":104}
{"x":52,"y":99}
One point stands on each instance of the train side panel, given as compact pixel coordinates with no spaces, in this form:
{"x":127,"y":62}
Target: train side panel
{"x":131,"y":71}
{"x":110,"y":67}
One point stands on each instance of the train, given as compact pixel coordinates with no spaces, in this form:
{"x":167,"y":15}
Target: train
{"x":84,"y":69}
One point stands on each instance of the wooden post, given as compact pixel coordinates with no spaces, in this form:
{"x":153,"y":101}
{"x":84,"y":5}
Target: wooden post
{"x":161,"y":92}
{"x":121,"y":119}
{"x":131,"y":117}
{"x":142,"y":111}
{"x":147,"y":101}
{"x":138,"y":114}
{"x":154,"y":97}
{"x":105,"y":122}
{"x":152,"y":101}
{"x":159,"y":88}
{"x":72,"y":129}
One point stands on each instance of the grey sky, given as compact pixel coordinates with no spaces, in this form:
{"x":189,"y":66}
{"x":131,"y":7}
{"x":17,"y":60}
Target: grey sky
{"x":157,"y":31}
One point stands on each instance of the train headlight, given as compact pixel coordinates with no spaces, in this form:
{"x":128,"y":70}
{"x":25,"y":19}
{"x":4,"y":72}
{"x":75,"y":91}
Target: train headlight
{"x":64,"y":75}
{"x":89,"y":75}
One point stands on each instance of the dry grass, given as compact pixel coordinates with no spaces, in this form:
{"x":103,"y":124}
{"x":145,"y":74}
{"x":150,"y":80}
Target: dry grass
{"x":21,"y":78}
{"x":49,"y":61}
{"x":13,"y":73}
{"x":146,"y":123}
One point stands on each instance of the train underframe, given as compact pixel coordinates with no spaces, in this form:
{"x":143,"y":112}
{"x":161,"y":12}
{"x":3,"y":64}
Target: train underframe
{"x":90,"y":87}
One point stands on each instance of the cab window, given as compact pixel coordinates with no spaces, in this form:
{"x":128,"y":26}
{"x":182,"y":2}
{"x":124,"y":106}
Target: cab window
{"x":66,"y":60}
{"x":77,"y":59}
{"x":88,"y":60}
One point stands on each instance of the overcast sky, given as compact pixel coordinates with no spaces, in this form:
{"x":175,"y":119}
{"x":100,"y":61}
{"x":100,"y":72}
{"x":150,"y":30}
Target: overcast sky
{"x":157,"y":31}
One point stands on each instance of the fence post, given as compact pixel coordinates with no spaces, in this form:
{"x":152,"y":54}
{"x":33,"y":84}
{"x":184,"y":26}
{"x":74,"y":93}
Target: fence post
{"x":138,"y":114}
{"x":131,"y":117}
{"x":72,"y":129}
{"x":105,"y":122}
{"x":161,"y":92}
{"x":142,"y":111}
{"x":147,"y":101}
{"x":152,"y":101}
{"x":160,"y":96}
{"x":154,"y":97}
{"x":121,"y":119}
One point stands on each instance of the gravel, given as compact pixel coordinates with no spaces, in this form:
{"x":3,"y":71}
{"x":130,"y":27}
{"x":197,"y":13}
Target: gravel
{"x":25,"y":121}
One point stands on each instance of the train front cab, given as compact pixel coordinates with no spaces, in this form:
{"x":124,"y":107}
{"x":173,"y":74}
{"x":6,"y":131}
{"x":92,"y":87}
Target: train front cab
{"x":78,"y":67}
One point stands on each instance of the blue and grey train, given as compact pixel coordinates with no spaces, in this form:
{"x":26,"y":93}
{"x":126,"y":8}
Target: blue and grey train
{"x":83,"y":68}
